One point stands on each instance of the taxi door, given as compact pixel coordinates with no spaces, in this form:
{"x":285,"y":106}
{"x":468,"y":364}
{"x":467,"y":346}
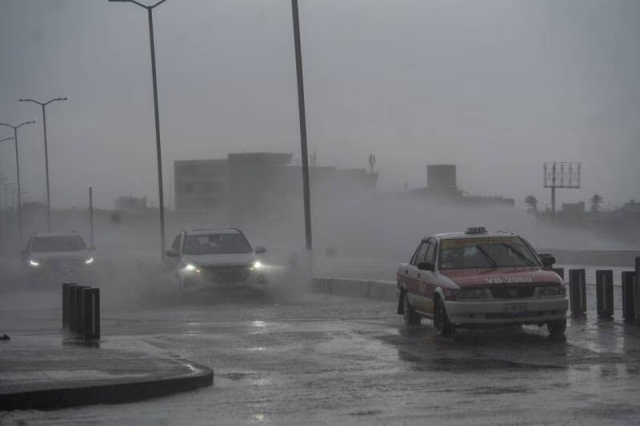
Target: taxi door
{"x":420,"y":279}
{"x":427,"y":279}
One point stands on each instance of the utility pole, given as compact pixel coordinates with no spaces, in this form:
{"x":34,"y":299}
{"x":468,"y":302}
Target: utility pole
{"x":303,"y":127}
{"x":15,"y":139}
{"x":157,"y":114}
{"x":46,"y":151}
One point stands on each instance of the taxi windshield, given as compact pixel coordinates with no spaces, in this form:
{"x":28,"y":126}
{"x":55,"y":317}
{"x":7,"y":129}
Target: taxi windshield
{"x":216,"y":244}
{"x":472,"y":253}
{"x":58,"y":243}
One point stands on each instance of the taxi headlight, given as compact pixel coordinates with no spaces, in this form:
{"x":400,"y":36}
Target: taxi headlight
{"x":89,"y":261}
{"x":257,"y":265}
{"x":551,"y":290}
{"x":34,"y":263}
{"x":471,"y":294}
{"x":190,"y":267}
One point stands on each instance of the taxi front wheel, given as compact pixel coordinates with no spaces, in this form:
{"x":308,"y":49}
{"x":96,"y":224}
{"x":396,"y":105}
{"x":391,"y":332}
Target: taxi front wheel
{"x":441,"y":320}
{"x":557,"y":328}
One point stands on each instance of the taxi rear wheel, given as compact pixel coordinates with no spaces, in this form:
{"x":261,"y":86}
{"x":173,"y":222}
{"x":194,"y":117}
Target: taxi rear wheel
{"x":441,"y":320}
{"x":411,"y":318}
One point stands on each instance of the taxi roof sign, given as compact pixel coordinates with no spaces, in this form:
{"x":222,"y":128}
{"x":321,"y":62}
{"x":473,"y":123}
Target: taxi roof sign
{"x":476,"y":230}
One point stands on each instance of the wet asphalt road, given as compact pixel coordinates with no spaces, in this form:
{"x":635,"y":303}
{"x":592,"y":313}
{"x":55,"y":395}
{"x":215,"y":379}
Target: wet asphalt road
{"x":320,"y":359}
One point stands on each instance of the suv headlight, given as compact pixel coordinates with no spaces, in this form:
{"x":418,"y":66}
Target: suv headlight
{"x":471,"y":293}
{"x":34,"y":263}
{"x":551,"y":290}
{"x":257,"y":265}
{"x":191,"y":268}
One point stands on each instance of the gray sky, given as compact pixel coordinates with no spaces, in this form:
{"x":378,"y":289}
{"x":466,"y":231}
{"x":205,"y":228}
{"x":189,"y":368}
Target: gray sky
{"x":495,"y":86}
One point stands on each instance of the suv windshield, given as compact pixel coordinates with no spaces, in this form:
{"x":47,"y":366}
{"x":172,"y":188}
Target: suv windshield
{"x":216,"y":244}
{"x":59,"y":243}
{"x":496,"y":252}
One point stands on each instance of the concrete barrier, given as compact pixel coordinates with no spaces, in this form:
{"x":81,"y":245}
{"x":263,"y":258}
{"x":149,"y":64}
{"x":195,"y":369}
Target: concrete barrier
{"x":577,"y":293}
{"x":628,"y":291}
{"x":81,"y":310}
{"x":381,"y":290}
{"x":604,"y":293}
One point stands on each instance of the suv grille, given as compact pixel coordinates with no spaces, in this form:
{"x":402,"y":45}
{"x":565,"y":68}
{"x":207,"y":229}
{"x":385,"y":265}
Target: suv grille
{"x":228,"y":273}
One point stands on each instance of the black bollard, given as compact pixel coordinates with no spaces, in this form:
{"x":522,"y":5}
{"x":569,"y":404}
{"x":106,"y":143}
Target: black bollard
{"x":79,"y":312}
{"x":628,"y":284}
{"x":72,"y":307}
{"x":559,"y":271}
{"x":636,"y":290}
{"x":91,"y":305}
{"x":65,"y":304}
{"x":577,"y":292}
{"x":604,"y":293}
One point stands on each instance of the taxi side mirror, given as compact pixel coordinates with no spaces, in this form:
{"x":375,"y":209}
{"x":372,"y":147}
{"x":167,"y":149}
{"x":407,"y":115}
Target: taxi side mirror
{"x":426,"y":266}
{"x":172,"y":253}
{"x":547,"y":260}
{"x":260,"y":250}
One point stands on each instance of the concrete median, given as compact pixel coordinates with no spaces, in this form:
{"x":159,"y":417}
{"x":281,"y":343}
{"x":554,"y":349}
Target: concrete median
{"x":381,"y":290}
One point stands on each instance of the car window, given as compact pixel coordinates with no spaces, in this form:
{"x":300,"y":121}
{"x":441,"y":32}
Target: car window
{"x":58,"y":243}
{"x":176,"y":243}
{"x":431,"y":254}
{"x":216,"y":244}
{"x":422,"y":251}
{"x":494,"y":252}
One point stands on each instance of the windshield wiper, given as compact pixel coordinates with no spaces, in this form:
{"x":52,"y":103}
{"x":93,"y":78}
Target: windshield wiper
{"x":519,"y":254}
{"x":492,"y":262}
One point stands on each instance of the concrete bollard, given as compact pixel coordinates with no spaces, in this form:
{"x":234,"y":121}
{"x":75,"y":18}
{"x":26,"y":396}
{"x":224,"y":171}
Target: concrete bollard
{"x":72,"y":307}
{"x":577,"y":293}
{"x":604,"y":293}
{"x":79,"y":312}
{"x":628,"y":295}
{"x":65,"y":304}
{"x":636,"y":290}
{"x":91,"y":305}
{"x":559,"y":271}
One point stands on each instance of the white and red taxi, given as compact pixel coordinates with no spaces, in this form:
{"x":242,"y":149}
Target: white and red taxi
{"x":478,"y":279}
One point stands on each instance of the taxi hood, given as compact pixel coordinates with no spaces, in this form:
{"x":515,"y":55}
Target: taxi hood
{"x":509,"y":276}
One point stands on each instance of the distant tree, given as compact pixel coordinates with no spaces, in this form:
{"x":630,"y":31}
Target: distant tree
{"x":532,"y":202}
{"x":596,"y":202}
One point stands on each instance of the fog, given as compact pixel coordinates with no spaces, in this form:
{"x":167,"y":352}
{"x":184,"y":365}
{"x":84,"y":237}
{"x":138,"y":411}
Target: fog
{"x":496,"y":87}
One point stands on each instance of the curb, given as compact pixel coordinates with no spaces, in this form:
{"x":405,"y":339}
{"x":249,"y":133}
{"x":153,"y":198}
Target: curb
{"x":113,"y":393}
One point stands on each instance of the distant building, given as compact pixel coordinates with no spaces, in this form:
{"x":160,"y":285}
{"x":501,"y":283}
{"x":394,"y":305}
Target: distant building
{"x":127,"y":203}
{"x":249,"y":186}
{"x":201,"y":184}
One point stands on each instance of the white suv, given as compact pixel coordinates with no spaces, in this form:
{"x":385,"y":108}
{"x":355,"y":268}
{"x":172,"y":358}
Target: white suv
{"x":56,"y":257}
{"x":217,"y":258}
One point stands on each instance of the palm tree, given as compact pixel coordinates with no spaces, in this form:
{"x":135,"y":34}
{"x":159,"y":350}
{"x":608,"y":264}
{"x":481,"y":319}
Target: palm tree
{"x":596,"y":201}
{"x":532,"y":202}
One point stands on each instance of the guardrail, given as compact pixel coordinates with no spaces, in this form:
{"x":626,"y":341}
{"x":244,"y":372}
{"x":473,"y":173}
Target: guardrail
{"x":81,"y":310}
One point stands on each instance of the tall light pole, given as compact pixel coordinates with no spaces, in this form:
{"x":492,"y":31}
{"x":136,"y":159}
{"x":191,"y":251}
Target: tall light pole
{"x":157,"y":115}
{"x":15,"y":139}
{"x":46,"y":153}
{"x":303,"y":126}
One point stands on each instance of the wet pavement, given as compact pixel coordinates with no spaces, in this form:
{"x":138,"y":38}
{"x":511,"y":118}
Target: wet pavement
{"x":319,"y":359}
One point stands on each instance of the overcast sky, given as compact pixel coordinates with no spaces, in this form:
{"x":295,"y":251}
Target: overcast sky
{"x":496,"y":87}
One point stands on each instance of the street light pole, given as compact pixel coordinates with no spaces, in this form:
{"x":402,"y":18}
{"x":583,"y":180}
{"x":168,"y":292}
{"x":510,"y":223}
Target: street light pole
{"x":15,"y":139}
{"x":303,"y":126}
{"x":46,"y":153}
{"x":156,"y":111}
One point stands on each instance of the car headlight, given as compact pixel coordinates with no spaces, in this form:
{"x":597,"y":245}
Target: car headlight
{"x":89,"y":261}
{"x":190,"y":267}
{"x":471,"y":293}
{"x":257,"y":265}
{"x":34,"y":263}
{"x":551,"y":290}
